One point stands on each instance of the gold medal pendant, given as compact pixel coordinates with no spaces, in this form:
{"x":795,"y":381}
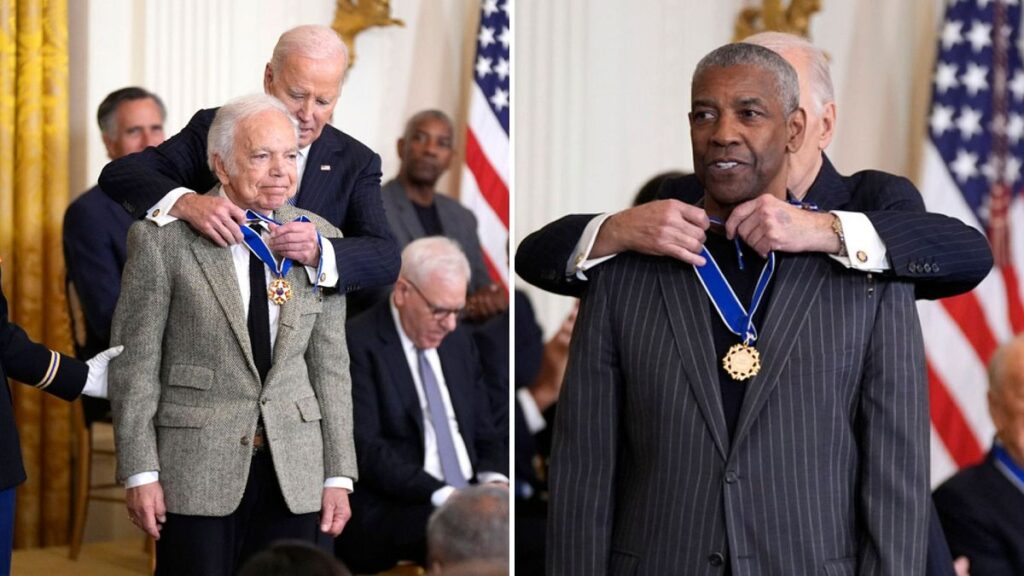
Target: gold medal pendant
{"x":279,"y":291}
{"x":742,"y":362}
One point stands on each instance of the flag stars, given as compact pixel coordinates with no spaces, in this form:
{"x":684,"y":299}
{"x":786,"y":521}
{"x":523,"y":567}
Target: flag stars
{"x":980,"y":36}
{"x":965,"y":166}
{"x":952,"y":34}
{"x":505,"y":37}
{"x":486,"y":37}
{"x":483,"y":67}
{"x":975,"y":78}
{"x":1017,"y":85}
{"x":1015,"y":128}
{"x":489,"y":7}
{"x":501,"y":69}
{"x":990,"y":168}
{"x":941,"y":119}
{"x":499,"y":99}
{"x":945,"y":77}
{"x":969,"y":123}
{"x":1012,"y":172}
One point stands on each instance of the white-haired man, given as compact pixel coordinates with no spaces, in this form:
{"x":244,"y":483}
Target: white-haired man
{"x":232,"y":414}
{"x":423,"y":424}
{"x":338,"y":177}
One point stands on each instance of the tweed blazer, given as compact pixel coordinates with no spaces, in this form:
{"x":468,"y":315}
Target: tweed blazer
{"x":186,"y":394}
{"x":826,"y":473}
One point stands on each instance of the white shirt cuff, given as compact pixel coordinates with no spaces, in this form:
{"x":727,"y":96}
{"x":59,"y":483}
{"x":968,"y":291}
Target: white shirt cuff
{"x":531,"y":413}
{"x":136,"y":480}
{"x":485,"y":477}
{"x":864,"y":247}
{"x":160,"y":213}
{"x":329,"y":267}
{"x":339,"y":482}
{"x":580,"y":261}
{"x":441,"y":495}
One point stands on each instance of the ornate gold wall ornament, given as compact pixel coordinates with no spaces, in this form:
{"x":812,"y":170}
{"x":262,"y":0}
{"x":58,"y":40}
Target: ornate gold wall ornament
{"x":353,"y":16}
{"x":793,"y":19}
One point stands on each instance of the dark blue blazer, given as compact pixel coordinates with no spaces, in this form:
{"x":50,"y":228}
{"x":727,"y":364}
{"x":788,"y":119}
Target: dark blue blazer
{"x":95,"y":239}
{"x":341,"y":182}
{"x":388,"y":419}
{"x":942,"y":256}
{"x":26,"y":361}
{"x":983,"y":516}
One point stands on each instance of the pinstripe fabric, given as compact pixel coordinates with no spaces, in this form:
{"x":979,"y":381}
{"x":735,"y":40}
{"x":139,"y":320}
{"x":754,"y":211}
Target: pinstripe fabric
{"x":186,"y":394}
{"x":827,"y":472}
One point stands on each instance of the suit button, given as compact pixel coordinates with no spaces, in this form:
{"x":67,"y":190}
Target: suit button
{"x":244,"y":441}
{"x":716,"y":559}
{"x":263,"y":401}
{"x":928,"y":268}
{"x":912,"y":267}
{"x":731,"y":477}
{"x":935,"y":267}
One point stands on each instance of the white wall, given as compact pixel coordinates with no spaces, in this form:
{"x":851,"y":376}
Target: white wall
{"x":603,"y":88}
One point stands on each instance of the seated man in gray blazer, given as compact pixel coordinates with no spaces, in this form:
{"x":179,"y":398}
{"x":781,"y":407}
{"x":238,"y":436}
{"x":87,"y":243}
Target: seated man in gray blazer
{"x":416,"y":209}
{"x":232,"y":413}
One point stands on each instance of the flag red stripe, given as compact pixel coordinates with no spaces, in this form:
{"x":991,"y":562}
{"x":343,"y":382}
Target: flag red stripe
{"x":950,"y":424}
{"x":492,"y":187}
{"x":1013,"y":303}
{"x":966,"y":311}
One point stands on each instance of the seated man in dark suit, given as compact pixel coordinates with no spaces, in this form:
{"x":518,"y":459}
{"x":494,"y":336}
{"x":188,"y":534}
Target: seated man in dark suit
{"x":415,"y":208}
{"x":339,"y":178}
{"x":982,"y":507}
{"x":422,"y":420}
{"x":96,"y":228}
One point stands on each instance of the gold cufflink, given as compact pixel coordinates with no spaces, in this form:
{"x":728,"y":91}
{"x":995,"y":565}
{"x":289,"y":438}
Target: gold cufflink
{"x":862,"y":256}
{"x":156,"y":213}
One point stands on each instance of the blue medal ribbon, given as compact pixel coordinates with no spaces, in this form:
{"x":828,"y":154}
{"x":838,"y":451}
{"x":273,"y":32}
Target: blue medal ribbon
{"x":727,"y":304}
{"x":258,"y":247}
{"x":1006,"y":465}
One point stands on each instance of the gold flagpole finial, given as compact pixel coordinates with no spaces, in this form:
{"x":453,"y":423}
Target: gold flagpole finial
{"x":793,"y":19}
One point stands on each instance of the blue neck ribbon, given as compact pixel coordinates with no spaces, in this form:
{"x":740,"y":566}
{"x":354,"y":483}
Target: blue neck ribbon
{"x":258,"y":247}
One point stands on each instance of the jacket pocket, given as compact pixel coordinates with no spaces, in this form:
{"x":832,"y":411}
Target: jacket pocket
{"x":179,"y":416}
{"x":188,"y":376}
{"x":623,"y":564}
{"x":309,"y":408}
{"x":841,"y":567}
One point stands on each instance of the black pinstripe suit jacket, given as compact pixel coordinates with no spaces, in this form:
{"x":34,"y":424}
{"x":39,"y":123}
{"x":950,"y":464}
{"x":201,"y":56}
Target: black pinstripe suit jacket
{"x":827,"y":472}
{"x":341,"y":183}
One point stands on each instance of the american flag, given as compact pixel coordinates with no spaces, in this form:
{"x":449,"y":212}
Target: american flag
{"x":972,"y":170}
{"x":485,"y":182}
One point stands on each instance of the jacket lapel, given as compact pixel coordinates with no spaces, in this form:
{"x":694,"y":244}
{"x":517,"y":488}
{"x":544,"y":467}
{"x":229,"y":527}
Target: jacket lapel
{"x":689,"y":319}
{"x":798,"y":279}
{"x":219,"y":270}
{"x":412,"y":228}
{"x":829,"y":191}
{"x":456,"y":379}
{"x":314,"y":176}
{"x":398,"y":366}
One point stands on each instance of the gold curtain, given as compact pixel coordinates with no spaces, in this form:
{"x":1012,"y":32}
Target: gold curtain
{"x":33,"y":196}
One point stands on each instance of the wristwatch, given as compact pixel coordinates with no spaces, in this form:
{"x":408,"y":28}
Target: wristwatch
{"x":837,"y":227}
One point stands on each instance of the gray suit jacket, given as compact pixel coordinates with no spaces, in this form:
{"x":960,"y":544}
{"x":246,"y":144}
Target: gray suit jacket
{"x":458,"y":223}
{"x":827,"y":472}
{"x":186,"y":395}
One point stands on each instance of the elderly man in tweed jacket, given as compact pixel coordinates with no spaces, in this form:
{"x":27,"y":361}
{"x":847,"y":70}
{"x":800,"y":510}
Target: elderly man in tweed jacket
{"x":232,"y":411}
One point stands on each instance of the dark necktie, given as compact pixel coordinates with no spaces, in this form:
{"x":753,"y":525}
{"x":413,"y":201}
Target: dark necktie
{"x":259,"y":315}
{"x":439,"y":416}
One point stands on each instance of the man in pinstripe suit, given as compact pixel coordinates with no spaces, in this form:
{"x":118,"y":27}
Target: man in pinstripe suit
{"x":666,"y":463}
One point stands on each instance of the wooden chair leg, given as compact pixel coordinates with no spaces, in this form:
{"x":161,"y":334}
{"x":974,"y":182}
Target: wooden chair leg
{"x":82,"y":480}
{"x":150,"y":547}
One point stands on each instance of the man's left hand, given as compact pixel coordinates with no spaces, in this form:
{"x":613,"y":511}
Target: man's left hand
{"x":334,"y":512}
{"x":768,"y":223}
{"x":486,"y":302}
{"x":296,"y":240}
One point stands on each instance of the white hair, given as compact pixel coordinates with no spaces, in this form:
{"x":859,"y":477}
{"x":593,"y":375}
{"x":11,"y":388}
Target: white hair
{"x":426,"y":258}
{"x":221,"y":139}
{"x":819,"y":76}
{"x":311,"y":41}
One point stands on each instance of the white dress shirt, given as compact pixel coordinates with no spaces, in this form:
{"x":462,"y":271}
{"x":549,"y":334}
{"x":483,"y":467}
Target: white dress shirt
{"x":431,"y":456}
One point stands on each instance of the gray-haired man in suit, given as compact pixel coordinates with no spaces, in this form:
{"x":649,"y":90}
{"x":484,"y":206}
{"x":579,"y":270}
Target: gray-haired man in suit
{"x":695,"y":438}
{"x":232,"y":414}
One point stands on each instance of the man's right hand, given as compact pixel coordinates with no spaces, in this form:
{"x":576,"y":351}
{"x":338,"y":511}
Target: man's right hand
{"x":661,"y":228}
{"x":213,"y":216}
{"x":146,"y":508}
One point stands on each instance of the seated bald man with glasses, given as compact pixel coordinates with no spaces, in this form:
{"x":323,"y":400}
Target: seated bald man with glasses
{"x":422,"y":419}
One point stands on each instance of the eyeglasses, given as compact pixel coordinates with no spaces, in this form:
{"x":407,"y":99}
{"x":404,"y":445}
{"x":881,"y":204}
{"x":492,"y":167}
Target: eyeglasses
{"x":437,"y":312}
